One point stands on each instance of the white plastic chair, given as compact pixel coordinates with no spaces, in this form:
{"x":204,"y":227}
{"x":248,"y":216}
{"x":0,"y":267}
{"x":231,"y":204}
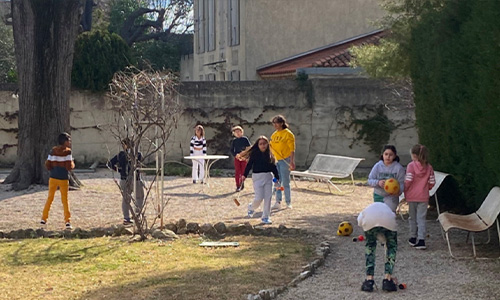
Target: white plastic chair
{"x":479,"y":221}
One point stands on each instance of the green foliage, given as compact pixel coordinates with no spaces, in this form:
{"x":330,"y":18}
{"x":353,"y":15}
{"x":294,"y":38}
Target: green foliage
{"x":305,"y":86}
{"x":162,"y":55}
{"x":120,"y":10}
{"x":390,"y":58}
{"x":376,"y":130}
{"x":387,"y":59}
{"x":98,"y":55}
{"x":456,"y":75}
{"x":7,"y":57}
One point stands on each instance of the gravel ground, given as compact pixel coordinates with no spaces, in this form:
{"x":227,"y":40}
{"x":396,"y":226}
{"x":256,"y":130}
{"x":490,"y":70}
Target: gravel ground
{"x":429,"y":274}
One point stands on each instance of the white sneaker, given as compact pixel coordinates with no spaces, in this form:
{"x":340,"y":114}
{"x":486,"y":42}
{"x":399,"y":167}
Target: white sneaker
{"x":68,"y":226}
{"x":276,"y":206}
{"x":289,"y":206}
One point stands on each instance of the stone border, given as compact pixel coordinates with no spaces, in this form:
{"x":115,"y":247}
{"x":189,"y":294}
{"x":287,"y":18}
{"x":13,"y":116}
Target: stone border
{"x":218,"y":230}
{"x":308,"y":270}
{"x":171,"y":230}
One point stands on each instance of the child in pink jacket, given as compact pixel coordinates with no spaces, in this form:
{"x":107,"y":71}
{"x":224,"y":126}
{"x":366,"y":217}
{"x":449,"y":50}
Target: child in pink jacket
{"x":418,"y":181}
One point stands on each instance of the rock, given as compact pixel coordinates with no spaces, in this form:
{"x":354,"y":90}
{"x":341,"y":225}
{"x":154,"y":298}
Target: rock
{"x":258,"y":230}
{"x":181,"y":224}
{"x":98,"y":232}
{"x":325,"y":244}
{"x":248,"y":227}
{"x":170,"y":234}
{"x":193,"y":228}
{"x":208,"y":230}
{"x":182,"y":231}
{"x":164,"y":234}
{"x":318,"y":262}
{"x":304,"y":275}
{"x":40,"y":232}
{"x":264,"y":294}
{"x":158,"y":234}
{"x":282,"y":228}
{"x":220,"y":227}
{"x":236,"y":228}
{"x":273,"y":293}
{"x":17,"y":234}
{"x":54,"y":234}
{"x":2,"y":235}
{"x":80,"y":233}
{"x":171,"y":226}
{"x":30,"y":233}
{"x":122,"y":230}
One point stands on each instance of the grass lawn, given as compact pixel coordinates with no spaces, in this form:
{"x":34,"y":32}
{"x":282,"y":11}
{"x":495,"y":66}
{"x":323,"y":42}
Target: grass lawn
{"x":112,"y":268}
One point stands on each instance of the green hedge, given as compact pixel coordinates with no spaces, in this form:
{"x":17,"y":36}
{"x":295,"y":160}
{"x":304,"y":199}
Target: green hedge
{"x":98,"y":55}
{"x":455,"y":68}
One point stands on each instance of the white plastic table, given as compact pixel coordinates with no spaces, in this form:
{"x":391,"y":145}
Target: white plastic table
{"x":210,"y":160}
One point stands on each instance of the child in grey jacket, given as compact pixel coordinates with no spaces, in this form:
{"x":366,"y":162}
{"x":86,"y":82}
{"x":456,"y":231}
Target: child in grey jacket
{"x":388,"y":167}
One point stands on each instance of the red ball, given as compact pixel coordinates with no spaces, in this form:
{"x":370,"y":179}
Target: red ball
{"x":361,"y":238}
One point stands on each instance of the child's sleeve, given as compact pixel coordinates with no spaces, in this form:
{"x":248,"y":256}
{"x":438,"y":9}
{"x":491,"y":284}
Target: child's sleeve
{"x":191,"y":147}
{"x":401,"y":179}
{"x":372,"y":178}
{"x":275,"y":171}
{"x":409,"y":177}
{"x":291,"y":141}
{"x":48,"y":163}
{"x":432,"y":178}
{"x":248,"y":167}
{"x":69,"y":164}
{"x":233,"y":152}
{"x":204,"y":146}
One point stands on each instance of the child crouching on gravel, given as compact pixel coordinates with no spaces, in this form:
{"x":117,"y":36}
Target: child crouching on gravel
{"x":262,"y":164}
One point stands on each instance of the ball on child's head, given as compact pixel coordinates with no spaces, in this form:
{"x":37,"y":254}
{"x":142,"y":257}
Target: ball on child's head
{"x":391,"y":186}
{"x":345,"y":229}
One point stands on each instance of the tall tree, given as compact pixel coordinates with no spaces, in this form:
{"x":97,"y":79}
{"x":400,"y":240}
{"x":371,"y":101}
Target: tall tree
{"x":391,"y":57}
{"x":138,"y":21}
{"x":44,"y":38}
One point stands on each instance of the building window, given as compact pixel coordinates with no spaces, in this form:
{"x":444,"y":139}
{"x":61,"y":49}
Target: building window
{"x":205,"y":25}
{"x":234,"y":22}
{"x":210,"y":4}
{"x":234,"y":75}
{"x":210,"y":77}
{"x":200,"y":26}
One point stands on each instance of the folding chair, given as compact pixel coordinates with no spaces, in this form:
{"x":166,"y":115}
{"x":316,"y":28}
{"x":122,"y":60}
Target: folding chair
{"x":479,"y":221}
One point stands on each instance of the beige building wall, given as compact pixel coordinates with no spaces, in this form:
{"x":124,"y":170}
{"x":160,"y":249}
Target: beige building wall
{"x":324,"y":123}
{"x":271,"y":30}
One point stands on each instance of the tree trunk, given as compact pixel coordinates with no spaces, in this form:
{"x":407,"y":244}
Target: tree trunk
{"x":44,"y":37}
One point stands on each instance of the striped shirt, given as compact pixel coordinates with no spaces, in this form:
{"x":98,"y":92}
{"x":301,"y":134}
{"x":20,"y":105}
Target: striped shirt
{"x":60,"y":162}
{"x":198,"y":144}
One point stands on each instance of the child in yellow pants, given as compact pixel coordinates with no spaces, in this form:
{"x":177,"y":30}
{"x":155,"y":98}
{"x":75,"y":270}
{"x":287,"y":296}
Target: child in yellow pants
{"x":59,"y":163}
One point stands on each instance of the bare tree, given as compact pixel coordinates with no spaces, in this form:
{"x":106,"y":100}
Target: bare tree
{"x":147,"y":112}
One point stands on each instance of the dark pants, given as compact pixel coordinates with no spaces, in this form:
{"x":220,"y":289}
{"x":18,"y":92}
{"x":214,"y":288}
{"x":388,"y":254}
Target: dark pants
{"x":239,"y":168}
{"x":371,"y":245}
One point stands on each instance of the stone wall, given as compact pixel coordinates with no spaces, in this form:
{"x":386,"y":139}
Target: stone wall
{"x":322,"y":113}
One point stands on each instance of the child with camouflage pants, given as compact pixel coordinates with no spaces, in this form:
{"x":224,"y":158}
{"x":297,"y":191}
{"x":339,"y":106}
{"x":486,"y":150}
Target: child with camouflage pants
{"x":377,"y":219}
